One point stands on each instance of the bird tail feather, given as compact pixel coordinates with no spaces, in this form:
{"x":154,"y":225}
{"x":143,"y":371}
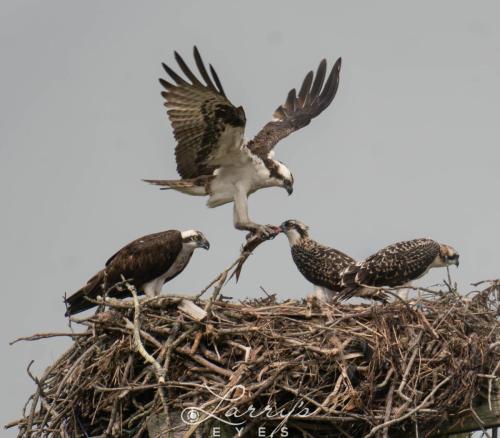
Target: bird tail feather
{"x":346,"y":293}
{"x":78,"y":302}
{"x":166,"y":184}
{"x":349,"y":283}
{"x":192,"y":186}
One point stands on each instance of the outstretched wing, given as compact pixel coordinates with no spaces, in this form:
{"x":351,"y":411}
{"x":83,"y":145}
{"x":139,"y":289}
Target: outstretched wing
{"x":313,"y":98}
{"x":206,"y":124}
{"x":394,"y":265}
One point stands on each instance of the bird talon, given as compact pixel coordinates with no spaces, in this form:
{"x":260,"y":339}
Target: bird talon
{"x":267,"y":232}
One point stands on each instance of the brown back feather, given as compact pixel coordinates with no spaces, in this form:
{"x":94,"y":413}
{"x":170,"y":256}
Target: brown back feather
{"x":140,"y":261}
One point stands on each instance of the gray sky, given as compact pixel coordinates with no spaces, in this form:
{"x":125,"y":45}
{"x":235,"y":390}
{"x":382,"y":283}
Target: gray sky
{"x":409,"y":147}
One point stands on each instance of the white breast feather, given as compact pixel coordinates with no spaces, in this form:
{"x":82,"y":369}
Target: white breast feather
{"x":246,"y":171}
{"x":154,"y":287}
{"x":230,"y":145}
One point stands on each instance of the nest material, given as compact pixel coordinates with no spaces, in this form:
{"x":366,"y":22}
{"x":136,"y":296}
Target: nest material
{"x":359,"y":370}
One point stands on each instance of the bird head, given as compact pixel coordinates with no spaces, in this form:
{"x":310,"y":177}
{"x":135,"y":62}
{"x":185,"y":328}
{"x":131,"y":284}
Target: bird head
{"x":294,"y":230}
{"x":195,"y":239}
{"x":280,"y":175}
{"x":448,"y":255}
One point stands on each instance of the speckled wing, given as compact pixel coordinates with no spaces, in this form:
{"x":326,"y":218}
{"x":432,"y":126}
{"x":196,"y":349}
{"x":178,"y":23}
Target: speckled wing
{"x":140,"y":261}
{"x":319,"y":264}
{"x":314,"y":96}
{"x":207,"y":126}
{"x":394,"y":265}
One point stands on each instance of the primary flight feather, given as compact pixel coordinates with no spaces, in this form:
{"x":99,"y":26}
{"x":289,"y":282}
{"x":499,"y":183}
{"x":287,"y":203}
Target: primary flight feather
{"x":213,"y":158}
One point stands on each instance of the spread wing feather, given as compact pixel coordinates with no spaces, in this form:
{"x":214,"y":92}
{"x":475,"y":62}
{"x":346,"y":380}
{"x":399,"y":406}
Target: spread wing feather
{"x":314,"y":96}
{"x":206,"y":124}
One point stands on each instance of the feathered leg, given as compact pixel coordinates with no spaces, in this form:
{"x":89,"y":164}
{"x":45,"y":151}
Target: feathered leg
{"x":241,"y":219}
{"x":322,"y":294}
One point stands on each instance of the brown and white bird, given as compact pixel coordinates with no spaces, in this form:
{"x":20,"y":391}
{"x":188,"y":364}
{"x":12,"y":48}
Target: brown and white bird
{"x":396,"y":265}
{"x":213,"y":158}
{"x":319,"y":264}
{"x":148,"y":263}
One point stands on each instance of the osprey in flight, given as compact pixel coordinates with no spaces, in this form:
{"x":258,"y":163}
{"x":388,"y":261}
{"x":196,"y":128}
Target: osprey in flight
{"x":147,"y":262}
{"x":319,"y":264}
{"x":397,"y":265}
{"x":213,"y":158}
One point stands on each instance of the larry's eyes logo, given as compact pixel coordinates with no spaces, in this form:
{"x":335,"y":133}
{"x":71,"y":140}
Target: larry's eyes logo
{"x":227,"y":412}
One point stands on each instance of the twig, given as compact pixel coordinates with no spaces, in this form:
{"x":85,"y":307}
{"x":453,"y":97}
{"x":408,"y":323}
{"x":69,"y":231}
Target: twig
{"x":344,"y":362}
{"x":388,"y":408}
{"x":222,"y":275}
{"x":160,"y":372}
{"x":410,"y":413}
{"x":38,"y":336}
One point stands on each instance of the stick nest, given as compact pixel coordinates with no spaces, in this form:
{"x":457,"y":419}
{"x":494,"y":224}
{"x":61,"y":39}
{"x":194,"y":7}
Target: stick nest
{"x":341,"y":370}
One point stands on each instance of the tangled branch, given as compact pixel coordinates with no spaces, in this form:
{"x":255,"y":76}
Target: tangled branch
{"x":353,"y":369}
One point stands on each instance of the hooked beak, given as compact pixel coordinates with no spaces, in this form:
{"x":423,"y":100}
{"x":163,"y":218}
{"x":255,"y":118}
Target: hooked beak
{"x":453,"y":260}
{"x":289,"y":188}
{"x":205,"y":244}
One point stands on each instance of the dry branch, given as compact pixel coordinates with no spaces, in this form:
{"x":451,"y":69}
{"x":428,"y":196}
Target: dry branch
{"x":358,"y":370}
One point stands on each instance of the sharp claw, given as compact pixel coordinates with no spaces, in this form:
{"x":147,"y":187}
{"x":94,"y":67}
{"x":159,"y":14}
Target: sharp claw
{"x":264,"y":232}
{"x":269,"y":231}
{"x":272,"y":233}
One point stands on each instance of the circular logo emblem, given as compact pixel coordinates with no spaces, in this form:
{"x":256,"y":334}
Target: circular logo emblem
{"x":190,"y":416}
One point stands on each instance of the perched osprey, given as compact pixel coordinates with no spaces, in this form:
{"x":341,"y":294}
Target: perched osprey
{"x":319,"y":264}
{"x":213,"y":158}
{"x":147,"y":262}
{"x":397,"y":265}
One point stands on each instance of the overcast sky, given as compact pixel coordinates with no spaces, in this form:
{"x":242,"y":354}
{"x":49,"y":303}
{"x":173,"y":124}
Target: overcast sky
{"x":409,"y":147}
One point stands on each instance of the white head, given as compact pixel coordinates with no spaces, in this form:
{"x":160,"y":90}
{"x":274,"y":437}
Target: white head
{"x":294,"y":230}
{"x":280,"y":175}
{"x":194,"y":239}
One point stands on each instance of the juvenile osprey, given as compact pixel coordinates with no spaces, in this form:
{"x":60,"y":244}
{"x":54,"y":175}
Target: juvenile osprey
{"x":213,"y":159}
{"x":319,"y":264}
{"x":397,"y":265}
{"x":147,"y":262}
